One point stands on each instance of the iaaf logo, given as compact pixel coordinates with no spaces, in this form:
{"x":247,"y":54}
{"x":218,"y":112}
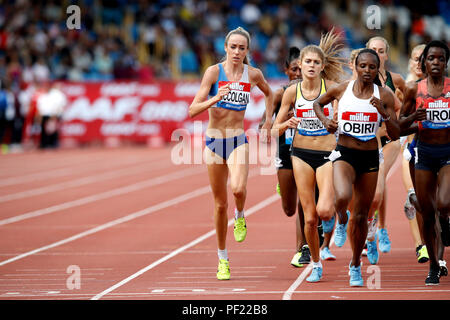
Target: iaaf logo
{"x":360,"y":116}
{"x":104,"y":109}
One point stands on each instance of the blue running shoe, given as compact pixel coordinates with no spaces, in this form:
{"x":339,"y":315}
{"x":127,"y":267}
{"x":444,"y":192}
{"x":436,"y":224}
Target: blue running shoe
{"x":383,"y":243}
{"x":340,"y":234}
{"x":325,"y":254}
{"x":356,"y":279}
{"x":328,"y":225}
{"x":316,"y":275}
{"x":372,"y":251}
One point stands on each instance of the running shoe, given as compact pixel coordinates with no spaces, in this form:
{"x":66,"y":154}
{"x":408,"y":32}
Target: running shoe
{"x":278,"y":189}
{"x":410,"y":210}
{"x":443,"y":271}
{"x":384,"y":243}
{"x":328,"y":225}
{"x":325,"y":254}
{"x":340,"y":234}
{"x":356,"y":279}
{"x":422,"y":254}
{"x":433,"y":277}
{"x":295,"y":260}
{"x":223,"y":270}
{"x":372,"y":251}
{"x":306,"y":255}
{"x":240,"y":229}
{"x":360,"y":264}
{"x":316,"y":275}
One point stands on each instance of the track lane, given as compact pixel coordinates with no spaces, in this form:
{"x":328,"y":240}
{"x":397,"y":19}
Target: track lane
{"x":260,"y":266}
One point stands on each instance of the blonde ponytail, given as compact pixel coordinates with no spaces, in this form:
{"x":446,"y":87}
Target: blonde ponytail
{"x":329,"y":51}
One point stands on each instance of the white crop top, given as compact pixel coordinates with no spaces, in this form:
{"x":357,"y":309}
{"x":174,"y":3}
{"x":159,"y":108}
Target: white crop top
{"x":357,"y":117}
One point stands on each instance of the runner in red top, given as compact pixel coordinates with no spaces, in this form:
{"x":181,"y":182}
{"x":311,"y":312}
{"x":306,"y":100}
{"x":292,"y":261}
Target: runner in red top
{"x":428,"y":103}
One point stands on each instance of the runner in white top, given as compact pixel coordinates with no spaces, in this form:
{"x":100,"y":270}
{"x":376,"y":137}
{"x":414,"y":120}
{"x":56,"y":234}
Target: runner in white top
{"x":362,"y":105}
{"x":312,"y":144}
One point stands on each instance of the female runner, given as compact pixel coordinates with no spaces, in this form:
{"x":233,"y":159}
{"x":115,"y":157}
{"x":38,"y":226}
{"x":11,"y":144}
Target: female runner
{"x":362,"y":105}
{"x":312,"y":144}
{"x":228,"y":85}
{"x":428,"y":102}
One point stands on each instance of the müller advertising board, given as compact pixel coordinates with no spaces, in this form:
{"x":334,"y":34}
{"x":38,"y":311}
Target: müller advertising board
{"x":136,"y":111}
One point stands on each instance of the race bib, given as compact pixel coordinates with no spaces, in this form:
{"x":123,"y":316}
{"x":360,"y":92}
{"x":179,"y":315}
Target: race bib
{"x":309,"y":124}
{"x":238,"y":97}
{"x":438,"y":115}
{"x":361,"y":125}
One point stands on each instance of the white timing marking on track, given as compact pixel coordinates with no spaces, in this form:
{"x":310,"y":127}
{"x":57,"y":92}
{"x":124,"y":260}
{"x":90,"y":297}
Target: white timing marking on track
{"x":248,"y":212}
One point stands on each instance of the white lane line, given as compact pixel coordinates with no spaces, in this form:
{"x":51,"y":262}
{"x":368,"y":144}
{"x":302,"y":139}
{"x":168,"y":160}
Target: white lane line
{"x":76,"y":183}
{"x":287,"y":295}
{"x":70,"y":169}
{"x":248,"y":212}
{"x":165,"y":293}
{"x":159,"y":206}
{"x":104,"y":195}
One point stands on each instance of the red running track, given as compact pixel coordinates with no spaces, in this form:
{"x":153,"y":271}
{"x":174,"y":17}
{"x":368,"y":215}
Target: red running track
{"x":127,"y":223}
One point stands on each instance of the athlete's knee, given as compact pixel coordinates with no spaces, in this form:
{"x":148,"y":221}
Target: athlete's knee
{"x":342,"y":200}
{"x":311,"y":222}
{"x":359,"y":217}
{"x":325,"y":212}
{"x":289,"y":210}
{"x":221,"y":206}
{"x":239,"y":191}
{"x":443,"y":206}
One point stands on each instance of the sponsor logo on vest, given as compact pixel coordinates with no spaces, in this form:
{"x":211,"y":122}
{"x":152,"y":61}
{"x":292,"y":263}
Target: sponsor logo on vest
{"x":310,"y":113}
{"x":236,"y":86}
{"x":359,"y":117}
{"x":438,"y":104}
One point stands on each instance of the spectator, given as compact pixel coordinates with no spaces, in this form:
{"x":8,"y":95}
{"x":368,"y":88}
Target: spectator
{"x":50,"y":106}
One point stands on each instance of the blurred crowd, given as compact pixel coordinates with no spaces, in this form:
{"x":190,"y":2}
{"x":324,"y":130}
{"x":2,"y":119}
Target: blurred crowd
{"x":178,"y":39}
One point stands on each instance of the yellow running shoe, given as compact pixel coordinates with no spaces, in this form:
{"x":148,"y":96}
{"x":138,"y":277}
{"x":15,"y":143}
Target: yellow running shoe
{"x":278,"y":189}
{"x":240,"y":229}
{"x":422,"y":254}
{"x":223,"y":270}
{"x":295,"y":260}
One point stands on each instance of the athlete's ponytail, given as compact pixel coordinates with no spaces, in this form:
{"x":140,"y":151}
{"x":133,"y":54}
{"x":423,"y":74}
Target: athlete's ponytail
{"x":329,"y":51}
